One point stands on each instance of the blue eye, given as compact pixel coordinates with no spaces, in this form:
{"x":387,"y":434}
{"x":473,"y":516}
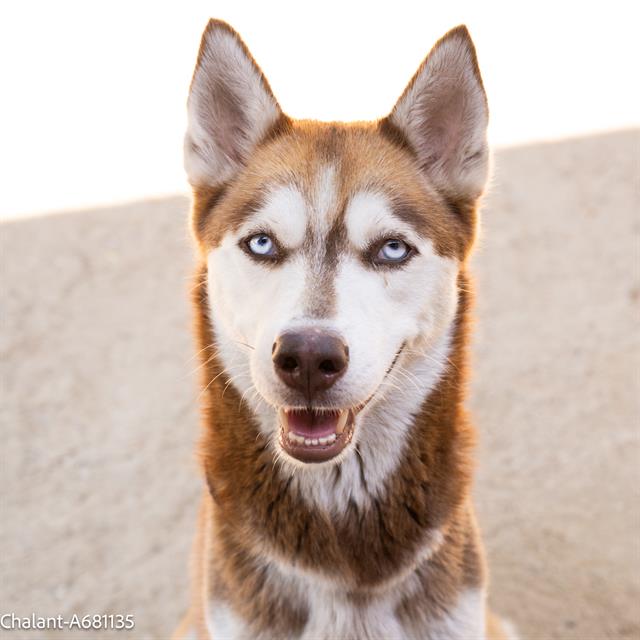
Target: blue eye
{"x":393,"y":251}
{"x":261,"y":244}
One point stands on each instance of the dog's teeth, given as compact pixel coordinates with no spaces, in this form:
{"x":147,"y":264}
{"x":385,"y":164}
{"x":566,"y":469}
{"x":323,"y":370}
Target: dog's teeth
{"x":342,"y":421}
{"x":295,"y":438}
{"x":284,"y":421}
{"x":311,"y":442}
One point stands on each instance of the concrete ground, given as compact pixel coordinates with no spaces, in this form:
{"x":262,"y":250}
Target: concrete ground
{"x":98,"y":483}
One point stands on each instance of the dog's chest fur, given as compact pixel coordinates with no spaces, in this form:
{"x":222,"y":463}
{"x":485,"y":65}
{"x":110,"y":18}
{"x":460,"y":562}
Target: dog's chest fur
{"x":369,"y":551}
{"x":333,"y":613}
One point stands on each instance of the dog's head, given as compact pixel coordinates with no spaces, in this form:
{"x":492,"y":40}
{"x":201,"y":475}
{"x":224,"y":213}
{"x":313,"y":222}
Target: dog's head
{"x":333,"y":250}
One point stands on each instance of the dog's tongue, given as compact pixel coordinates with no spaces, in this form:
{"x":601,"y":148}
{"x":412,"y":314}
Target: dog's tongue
{"x":311,"y":424}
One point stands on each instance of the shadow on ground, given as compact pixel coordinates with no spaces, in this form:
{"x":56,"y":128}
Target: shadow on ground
{"x":99,"y":483}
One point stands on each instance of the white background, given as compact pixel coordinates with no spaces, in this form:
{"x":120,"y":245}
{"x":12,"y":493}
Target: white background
{"x":93,"y":94}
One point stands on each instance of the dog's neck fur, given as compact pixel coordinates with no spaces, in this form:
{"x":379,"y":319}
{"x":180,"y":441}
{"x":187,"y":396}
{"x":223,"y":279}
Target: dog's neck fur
{"x":410,"y":532}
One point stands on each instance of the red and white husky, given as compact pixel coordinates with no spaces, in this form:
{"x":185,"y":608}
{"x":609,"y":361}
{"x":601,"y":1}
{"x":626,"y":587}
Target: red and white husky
{"x":332,"y":305}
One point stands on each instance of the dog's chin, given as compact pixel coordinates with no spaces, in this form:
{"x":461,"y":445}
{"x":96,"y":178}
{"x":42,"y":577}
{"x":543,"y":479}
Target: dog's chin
{"x":315,"y":436}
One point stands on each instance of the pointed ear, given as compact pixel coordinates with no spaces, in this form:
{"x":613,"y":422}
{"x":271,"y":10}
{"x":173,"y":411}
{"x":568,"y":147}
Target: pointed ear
{"x":231,"y":108}
{"x":443,"y":115}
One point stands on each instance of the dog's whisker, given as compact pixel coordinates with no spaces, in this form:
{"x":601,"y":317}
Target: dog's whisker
{"x":232,"y":378}
{"x":204,"y":363}
{"x":210,"y":383}
{"x":259,"y":399}
{"x":244,"y":344}
{"x":408,"y":376}
{"x":197,"y":284}
{"x":195,"y":355}
{"x":431,"y":357}
{"x":252,"y":389}
{"x":387,"y":383}
{"x":220,"y":374}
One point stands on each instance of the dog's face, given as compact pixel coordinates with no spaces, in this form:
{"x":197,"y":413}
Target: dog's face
{"x":333,"y":250}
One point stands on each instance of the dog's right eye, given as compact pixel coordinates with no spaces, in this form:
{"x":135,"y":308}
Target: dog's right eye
{"x":261,"y":245}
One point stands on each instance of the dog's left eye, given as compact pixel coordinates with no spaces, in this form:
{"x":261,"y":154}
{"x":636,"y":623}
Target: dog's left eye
{"x":261,"y":245}
{"x":393,"y":251}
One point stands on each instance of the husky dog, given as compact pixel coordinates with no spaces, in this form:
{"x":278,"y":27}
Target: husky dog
{"x":332,"y":303}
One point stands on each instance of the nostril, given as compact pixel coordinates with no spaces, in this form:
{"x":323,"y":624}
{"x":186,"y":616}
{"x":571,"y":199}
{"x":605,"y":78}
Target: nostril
{"x":288,"y":363}
{"x":329,"y":367}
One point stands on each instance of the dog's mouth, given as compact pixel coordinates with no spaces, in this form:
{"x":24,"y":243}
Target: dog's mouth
{"x":312,"y":435}
{"x":319,"y":435}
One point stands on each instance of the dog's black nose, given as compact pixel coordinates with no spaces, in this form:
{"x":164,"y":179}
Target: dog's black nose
{"x":310,"y":360}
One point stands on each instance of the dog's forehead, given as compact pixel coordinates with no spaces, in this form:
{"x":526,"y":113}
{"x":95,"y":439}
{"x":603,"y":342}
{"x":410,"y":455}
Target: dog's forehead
{"x":325,"y":179}
{"x":302,"y":204}
{"x":314,"y":213}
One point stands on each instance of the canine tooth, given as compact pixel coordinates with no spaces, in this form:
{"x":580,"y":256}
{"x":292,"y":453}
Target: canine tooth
{"x":342,"y":421}
{"x":282,"y":414}
{"x":331,"y":438}
{"x":292,"y":437}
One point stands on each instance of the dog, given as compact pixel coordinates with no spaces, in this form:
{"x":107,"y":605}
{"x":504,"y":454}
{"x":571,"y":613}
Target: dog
{"x":332,"y":303}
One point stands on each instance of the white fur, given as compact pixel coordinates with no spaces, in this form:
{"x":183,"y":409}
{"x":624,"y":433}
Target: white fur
{"x":284,"y":214}
{"x":465,"y":621}
{"x":368,"y":216}
{"x":223,"y":624}
{"x":226,"y":84}
{"x":323,"y":206}
{"x":333,"y":616}
{"x":444,"y":116}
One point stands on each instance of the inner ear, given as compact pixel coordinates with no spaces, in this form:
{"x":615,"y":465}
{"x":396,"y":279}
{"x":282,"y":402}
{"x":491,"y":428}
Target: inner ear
{"x":442,"y":116}
{"x":231,"y":108}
